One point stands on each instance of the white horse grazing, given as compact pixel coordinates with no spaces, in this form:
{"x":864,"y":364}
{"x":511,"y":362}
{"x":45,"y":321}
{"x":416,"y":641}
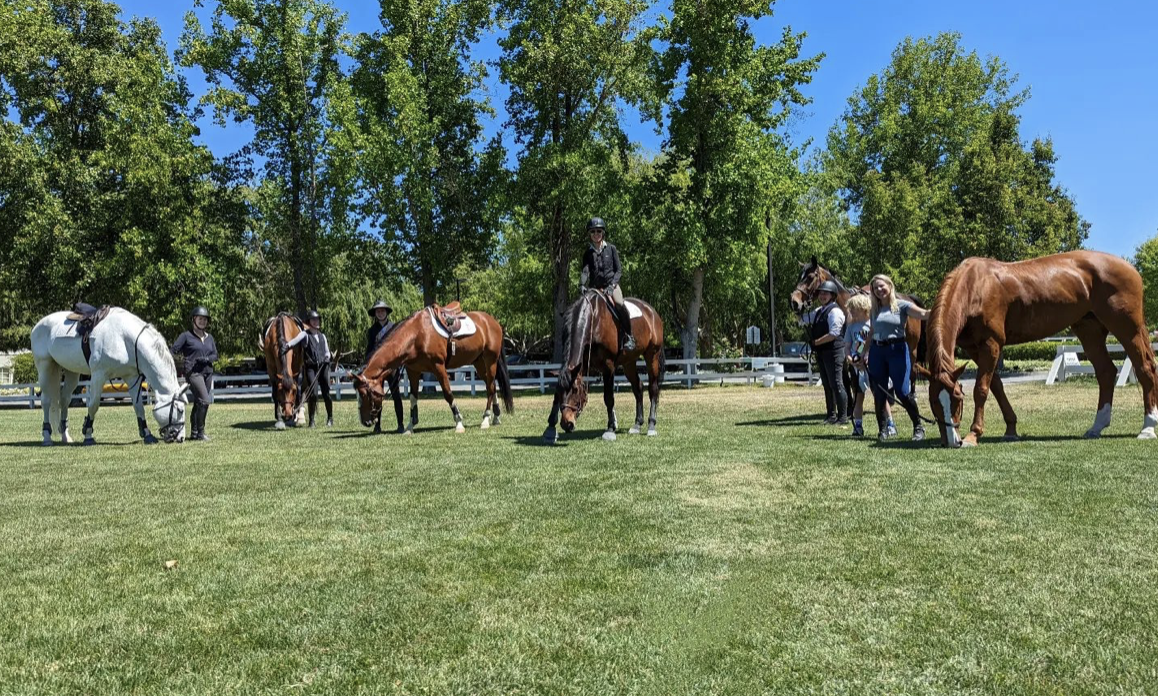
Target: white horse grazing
{"x":122,"y":346}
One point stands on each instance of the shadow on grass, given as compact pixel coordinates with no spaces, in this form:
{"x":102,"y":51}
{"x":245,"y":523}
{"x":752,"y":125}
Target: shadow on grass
{"x":369,"y":432}
{"x":58,"y":444}
{"x":564,"y":438}
{"x":788,"y":420}
{"x":257,"y":425}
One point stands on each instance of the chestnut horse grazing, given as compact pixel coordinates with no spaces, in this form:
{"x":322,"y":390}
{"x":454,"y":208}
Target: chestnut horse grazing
{"x":984,"y":305}
{"x":283,"y":364}
{"x":417,"y":344}
{"x":591,"y":343}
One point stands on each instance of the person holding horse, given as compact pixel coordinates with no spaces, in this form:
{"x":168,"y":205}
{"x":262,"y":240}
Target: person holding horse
{"x":200,"y":352}
{"x":888,"y":357}
{"x":826,"y":326}
{"x":856,"y":341}
{"x":316,"y":361}
{"x":375,"y":335}
{"x":603,"y":270}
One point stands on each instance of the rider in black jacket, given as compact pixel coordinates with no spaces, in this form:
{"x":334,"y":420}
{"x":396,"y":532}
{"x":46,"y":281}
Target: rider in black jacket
{"x":375,"y":335}
{"x":200,"y":352}
{"x":601,"y":267}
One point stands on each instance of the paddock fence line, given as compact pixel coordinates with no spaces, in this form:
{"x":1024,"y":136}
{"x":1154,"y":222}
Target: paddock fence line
{"x":531,"y":376}
{"x":1067,"y":363}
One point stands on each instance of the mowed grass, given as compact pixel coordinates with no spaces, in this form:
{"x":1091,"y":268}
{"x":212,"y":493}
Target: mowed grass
{"x":747,"y":549}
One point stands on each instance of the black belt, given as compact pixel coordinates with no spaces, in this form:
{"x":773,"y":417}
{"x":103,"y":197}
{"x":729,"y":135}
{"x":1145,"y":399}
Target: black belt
{"x":890,"y":342}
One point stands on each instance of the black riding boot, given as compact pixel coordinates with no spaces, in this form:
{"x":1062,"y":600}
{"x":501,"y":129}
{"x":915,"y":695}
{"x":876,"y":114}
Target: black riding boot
{"x":313,"y":410}
{"x":198,"y":423}
{"x":909,"y":403}
{"x":624,"y":320}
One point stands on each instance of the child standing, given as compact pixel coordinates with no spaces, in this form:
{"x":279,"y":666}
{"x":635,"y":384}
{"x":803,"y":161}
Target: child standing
{"x":856,"y":342}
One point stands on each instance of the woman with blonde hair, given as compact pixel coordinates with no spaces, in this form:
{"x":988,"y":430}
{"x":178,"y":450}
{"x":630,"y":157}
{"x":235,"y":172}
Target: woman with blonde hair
{"x":888,"y":357}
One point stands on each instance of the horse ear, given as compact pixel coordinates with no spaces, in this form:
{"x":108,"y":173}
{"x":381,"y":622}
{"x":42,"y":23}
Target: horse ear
{"x":814,"y":261}
{"x":958,"y":372}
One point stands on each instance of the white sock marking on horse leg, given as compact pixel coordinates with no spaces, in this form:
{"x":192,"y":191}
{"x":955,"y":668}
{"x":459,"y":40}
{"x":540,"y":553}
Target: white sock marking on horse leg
{"x":486,"y":421}
{"x":1101,"y":421}
{"x":1148,"y":426}
{"x":951,"y":433}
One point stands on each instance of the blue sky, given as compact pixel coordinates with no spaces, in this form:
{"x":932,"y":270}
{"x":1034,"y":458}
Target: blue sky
{"x":1092,"y":69}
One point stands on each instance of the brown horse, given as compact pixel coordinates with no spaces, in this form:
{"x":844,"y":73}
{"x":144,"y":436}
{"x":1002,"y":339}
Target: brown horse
{"x":415,"y":343}
{"x":283,"y":364}
{"x":591,"y":342}
{"x":812,"y":274}
{"x":985,"y":305}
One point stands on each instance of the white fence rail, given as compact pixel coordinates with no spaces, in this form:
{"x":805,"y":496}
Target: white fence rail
{"x":530,"y":376}
{"x":1068,"y":364}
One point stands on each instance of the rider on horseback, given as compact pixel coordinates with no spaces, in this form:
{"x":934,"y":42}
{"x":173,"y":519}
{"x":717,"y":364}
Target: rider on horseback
{"x":602,"y":268}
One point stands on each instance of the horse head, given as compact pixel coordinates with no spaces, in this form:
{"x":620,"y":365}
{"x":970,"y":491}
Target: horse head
{"x":574,"y":398}
{"x":170,"y":415}
{"x":370,"y":397}
{"x":578,"y":336}
{"x":947,"y":401}
{"x":812,"y":274}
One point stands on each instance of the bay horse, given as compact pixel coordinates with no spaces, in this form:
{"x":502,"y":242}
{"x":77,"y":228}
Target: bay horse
{"x":121,"y":346}
{"x":283,"y":364}
{"x":812,"y":274}
{"x":591,"y":342}
{"x":415,"y":343}
{"x":984,"y":305}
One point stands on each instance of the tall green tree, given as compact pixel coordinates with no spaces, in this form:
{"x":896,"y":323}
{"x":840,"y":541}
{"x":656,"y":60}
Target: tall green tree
{"x":928,"y":158}
{"x":728,"y":165}
{"x":276,"y":65}
{"x":104,"y":195}
{"x":569,"y":63}
{"x":1146,"y":261}
{"x":432,"y":186}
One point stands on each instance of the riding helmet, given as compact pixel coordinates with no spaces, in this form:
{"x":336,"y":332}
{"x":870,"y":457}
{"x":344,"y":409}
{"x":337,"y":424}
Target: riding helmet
{"x":381,"y":305}
{"x":829,"y":286}
{"x":200,"y":312}
{"x":595,"y":223}
{"x":313,"y":314}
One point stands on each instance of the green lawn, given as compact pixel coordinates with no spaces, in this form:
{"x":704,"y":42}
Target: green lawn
{"x":747,"y":549}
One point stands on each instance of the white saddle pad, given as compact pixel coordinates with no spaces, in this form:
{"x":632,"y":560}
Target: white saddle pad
{"x":466,"y":327}
{"x":633,"y":310}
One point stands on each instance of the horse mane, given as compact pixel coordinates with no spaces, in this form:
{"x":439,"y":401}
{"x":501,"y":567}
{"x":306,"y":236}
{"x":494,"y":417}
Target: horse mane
{"x":577,"y":320}
{"x":943,"y":327}
{"x":279,"y":321}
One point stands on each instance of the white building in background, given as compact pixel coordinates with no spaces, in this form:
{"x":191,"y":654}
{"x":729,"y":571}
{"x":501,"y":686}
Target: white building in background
{"x":6,"y":368}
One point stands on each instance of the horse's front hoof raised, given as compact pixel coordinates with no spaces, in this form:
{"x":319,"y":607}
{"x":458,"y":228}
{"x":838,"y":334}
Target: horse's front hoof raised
{"x":609,"y":436}
{"x":550,"y":436}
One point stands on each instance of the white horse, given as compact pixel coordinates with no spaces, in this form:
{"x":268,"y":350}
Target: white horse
{"x":122,"y":346}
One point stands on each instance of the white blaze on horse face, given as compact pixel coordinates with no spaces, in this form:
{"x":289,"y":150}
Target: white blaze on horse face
{"x":1101,"y":421}
{"x":947,"y":418}
{"x":1149,"y":425}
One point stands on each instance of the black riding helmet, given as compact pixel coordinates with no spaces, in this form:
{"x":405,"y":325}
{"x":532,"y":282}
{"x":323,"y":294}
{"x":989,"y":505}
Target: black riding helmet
{"x":596,"y":223}
{"x":200,"y":311}
{"x":381,"y":305}
{"x":829,"y":286}
{"x":313,"y":314}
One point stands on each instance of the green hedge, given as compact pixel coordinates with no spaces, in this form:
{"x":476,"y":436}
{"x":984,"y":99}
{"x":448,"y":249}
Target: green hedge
{"x":24,"y":369}
{"x":1040,"y":350}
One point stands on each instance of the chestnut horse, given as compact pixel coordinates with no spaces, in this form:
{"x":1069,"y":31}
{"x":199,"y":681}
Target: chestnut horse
{"x":415,"y":343}
{"x":283,"y":364}
{"x":812,"y":274}
{"x":591,"y":342}
{"x":984,"y":305}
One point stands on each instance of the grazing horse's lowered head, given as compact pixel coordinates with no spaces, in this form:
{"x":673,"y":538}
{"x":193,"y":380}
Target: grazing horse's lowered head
{"x":283,"y":363}
{"x":578,"y":333}
{"x":370,"y":398}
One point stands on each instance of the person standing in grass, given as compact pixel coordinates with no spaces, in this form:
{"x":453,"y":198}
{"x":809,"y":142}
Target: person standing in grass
{"x":826,"y":326}
{"x":888,"y":358}
{"x":316,"y":372}
{"x":200,"y":352}
{"x":856,"y":344}
{"x":375,"y":335}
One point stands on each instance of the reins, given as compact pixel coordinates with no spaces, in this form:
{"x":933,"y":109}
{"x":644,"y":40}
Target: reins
{"x":591,"y":299}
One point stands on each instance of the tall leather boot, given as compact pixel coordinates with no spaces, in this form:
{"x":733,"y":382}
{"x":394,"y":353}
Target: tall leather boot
{"x":624,"y":320}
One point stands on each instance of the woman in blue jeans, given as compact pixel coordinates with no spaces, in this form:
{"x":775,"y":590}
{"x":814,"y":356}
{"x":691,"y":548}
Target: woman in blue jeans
{"x":888,"y":357}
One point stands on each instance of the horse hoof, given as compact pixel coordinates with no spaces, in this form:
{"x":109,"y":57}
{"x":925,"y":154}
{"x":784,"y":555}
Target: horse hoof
{"x":88,"y":441}
{"x":652,"y":433}
{"x":459,"y":428}
{"x":1011,"y":438}
{"x":496,"y":421}
{"x":66,"y":439}
{"x":150,"y":440}
{"x":279,"y":426}
{"x":634,"y":430}
{"x":407,"y":432}
{"x":968,"y":443}
{"x":1147,"y":434}
{"x":609,"y":436}
{"x":485,"y":425}
{"x":550,"y":436}
{"x":47,"y":442}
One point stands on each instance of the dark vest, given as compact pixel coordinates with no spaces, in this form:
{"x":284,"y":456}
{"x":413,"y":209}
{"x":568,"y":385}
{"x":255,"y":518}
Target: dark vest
{"x":819,"y":329}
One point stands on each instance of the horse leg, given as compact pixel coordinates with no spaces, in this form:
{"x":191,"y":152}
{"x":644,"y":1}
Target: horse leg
{"x":444,"y":380}
{"x":609,"y":400}
{"x":1092,"y":333}
{"x":415,"y":378}
{"x":49,"y":373}
{"x":632,"y":374}
{"x":654,"y":381}
{"x":551,"y":435}
{"x":66,"y":389}
{"x":489,"y":372}
{"x":1131,"y":333}
{"x":95,"y":387}
{"x":1007,"y":413}
{"x":139,"y":407}
{"x":986,"y":359}
{"x":278,"y":423}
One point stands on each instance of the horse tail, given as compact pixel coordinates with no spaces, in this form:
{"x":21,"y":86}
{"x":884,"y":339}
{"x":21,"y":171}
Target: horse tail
{"x":504,"y":378}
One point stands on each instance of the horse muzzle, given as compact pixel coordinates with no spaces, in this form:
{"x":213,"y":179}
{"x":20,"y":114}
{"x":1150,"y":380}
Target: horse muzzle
{"x":171,"y":434}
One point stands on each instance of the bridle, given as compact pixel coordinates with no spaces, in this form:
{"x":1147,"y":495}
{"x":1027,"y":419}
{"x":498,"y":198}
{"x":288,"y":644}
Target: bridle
{"x":591,"y":298}
{"x":168,"y":430}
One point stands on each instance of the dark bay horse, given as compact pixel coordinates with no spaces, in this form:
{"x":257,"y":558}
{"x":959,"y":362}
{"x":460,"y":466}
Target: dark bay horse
{"x":283,"y":365}
{"x":812,"y":274}
{"x":984,"y":305}
{"x":417,"y":345}
{"x":591,"y":343}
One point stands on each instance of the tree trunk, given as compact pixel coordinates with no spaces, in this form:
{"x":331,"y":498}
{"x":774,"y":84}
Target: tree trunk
{"x":691,"y":333}
{"x":298,"y":257}
{"x":561,"y":265}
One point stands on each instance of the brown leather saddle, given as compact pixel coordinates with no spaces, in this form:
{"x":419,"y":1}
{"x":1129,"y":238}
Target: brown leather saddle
{"x":87,"y":317}
{"x":449,"y":317}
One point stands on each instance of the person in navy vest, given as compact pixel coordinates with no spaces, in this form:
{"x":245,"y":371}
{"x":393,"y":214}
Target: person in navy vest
{"x":375,"y":335}
{"x":317,"y":367}
{"x":826,"y":327}
{"x":200,"y":352}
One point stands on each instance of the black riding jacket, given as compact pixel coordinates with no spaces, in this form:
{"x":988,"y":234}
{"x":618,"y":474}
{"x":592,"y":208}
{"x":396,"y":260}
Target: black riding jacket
{"x":601,"y":267}
{"x":200,"y":354}
{"x":372,"y":340}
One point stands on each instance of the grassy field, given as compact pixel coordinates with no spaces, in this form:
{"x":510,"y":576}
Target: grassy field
{"x":748,"y":549}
